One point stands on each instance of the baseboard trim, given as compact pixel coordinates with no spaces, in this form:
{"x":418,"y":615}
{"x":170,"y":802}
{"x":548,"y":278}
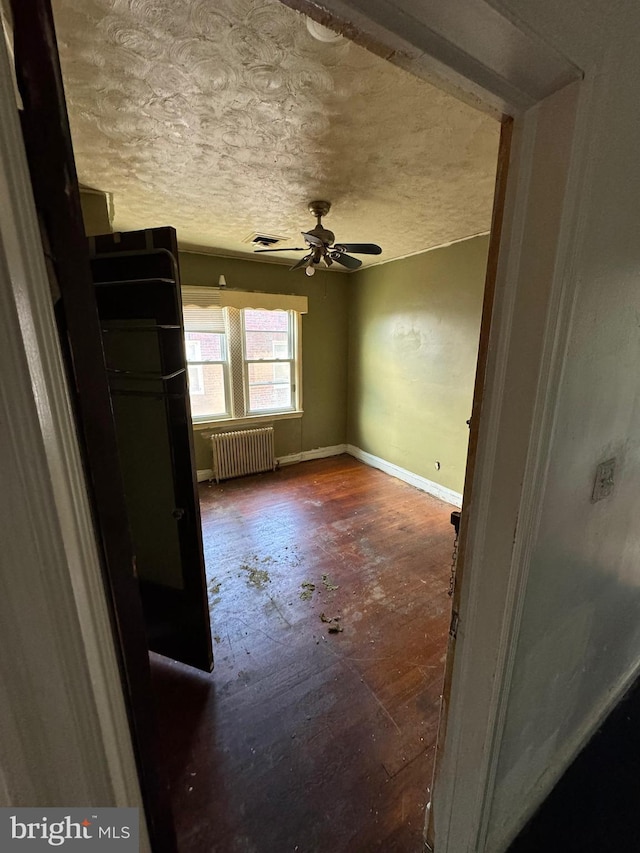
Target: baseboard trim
{"x":564,"y":758}
{"x":316,"y":453}
{"x":435,"y":489}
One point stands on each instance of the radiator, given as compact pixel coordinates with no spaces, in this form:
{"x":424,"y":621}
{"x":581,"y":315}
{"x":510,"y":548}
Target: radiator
{"x":243,"y":451}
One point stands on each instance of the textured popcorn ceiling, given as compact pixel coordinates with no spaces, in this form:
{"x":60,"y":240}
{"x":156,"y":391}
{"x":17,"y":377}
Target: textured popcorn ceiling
{"x":225,"y":117}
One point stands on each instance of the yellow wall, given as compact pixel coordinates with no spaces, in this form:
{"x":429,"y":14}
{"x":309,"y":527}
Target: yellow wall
{"x":413,"y":339}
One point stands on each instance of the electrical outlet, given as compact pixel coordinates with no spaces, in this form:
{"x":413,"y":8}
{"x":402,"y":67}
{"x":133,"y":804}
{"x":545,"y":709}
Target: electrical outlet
{"x":603,"y":484}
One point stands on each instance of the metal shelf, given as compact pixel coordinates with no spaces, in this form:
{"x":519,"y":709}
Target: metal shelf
{"x":140,"y":328}
{"x":145,"y":374}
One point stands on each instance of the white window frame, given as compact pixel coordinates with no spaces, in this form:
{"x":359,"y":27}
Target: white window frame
{"x":198,"y":367}
{"x":236,"y":392}
{"x":194,"y":369}
{"x":293,"y":360}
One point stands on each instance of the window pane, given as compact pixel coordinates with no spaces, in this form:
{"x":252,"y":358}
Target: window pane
{"x":196,"y":380}
{"x":205,"y":346}
{"x":266,"y":345}
{"x":206,"y":389}
{"x":266,"y":334}
{"x":269,"y":386}
{"x":266,"y":321}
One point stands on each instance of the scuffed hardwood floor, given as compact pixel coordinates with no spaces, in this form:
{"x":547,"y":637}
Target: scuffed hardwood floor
{"x":302,"y":739}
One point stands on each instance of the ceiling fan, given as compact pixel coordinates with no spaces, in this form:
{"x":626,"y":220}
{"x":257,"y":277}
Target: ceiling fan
{"x":321,"y":245}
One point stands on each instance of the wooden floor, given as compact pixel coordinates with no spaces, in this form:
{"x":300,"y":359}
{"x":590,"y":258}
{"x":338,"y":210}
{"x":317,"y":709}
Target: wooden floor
{"x":303,"y":739}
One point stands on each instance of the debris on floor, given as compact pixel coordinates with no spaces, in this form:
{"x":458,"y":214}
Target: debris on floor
{"x":257,"y":578}
{"x":334,"y":623}
{"x":307,"y":590}
{"x":327,"y":583}
{"x":213,"y":588}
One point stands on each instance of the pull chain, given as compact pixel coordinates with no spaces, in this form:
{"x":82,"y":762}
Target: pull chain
{"x":454,"y":560}
{"x":455,"y":521}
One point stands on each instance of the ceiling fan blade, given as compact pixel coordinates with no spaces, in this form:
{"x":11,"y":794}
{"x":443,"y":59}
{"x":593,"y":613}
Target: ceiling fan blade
{"x":297,"y":249}
{"x":346,"y":260}
{"x":301,"y":263}
{"x":360,"y":248}
{"x":312,"y":239}
{"x":327,"y":260}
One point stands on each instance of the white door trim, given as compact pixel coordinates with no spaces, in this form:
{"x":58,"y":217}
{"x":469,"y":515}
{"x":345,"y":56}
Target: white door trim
{"x":515,"y":434}
{"x":468,"y":48}
{"x":64,"y":735}
{"x":522,"y":375}
{"x":561,"y":300}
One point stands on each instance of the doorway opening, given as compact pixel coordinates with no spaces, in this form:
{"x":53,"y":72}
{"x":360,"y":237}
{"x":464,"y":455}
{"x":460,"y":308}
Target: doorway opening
{"x":249,"y":574}
{"x":543,"y":199}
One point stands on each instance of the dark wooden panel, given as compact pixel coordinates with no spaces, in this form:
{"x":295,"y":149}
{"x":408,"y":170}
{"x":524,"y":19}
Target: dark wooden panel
{"x":301,"y":737}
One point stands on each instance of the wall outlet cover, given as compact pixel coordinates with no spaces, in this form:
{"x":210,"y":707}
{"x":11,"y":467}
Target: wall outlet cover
{"x":603,"y":483}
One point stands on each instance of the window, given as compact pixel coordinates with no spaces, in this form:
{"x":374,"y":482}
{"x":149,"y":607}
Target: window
{"x":196,"y":376}
{"x":269,"y":360}
{"x":207,"y":362}
{"x":242,"y":362}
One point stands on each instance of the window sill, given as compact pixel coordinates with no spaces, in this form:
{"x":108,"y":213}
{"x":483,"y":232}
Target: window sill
{"x":250,"y":420}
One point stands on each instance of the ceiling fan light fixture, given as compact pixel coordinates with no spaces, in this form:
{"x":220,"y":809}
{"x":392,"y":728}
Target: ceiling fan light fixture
{"x":321,"y":245}
{"x":321,"y":33}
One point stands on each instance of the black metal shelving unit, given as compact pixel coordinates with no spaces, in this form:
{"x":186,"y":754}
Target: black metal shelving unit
{"x":137,"y":283}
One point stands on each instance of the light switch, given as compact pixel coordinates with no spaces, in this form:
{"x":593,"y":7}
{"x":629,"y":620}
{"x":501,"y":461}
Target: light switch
{"x":603,"y":485}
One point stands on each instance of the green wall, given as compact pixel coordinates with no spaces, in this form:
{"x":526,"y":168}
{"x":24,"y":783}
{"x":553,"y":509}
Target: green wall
{"x":388,"y":353}
{"x":324,"y":345}
{"x":413,"y":341}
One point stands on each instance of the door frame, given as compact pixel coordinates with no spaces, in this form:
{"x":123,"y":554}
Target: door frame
{"x":533,"y":281}
{"x":500,"y":521}
{"x":512,"y":425}
{"x":50,"y":161}
{"x":69,"y":746}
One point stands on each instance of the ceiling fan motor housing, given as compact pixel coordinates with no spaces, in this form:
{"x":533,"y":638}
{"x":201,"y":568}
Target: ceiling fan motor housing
{"x":323,"y":234}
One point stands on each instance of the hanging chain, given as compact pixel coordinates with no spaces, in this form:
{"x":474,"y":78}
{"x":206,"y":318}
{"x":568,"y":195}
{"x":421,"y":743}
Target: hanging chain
{"x":454,"y":561}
